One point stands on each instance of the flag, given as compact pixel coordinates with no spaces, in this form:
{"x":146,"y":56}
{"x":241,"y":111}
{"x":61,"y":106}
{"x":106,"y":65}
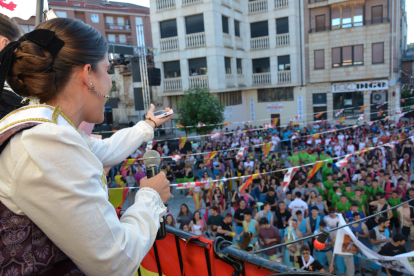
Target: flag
{"x":266,"y":148}
{"x":341,"y":163}
{"x":342,"y":119}
{"x":275,"y":121}
{"x":177,"y":157}
{"x":23,"y":9}
{"x":315,"y":136}
{"x":214,"y":135}
{"x":318,"y":115}
{"x":182,"y":141}
{"x":400,"y":138}
{"x":248,"y":182}
{"x":339,"y":112}
{"x":388,"y":118}
{"x":319,"y":121}
{"x":179,"y":125}
{"x":399,"y":110}
{"x":402,"y":100}
{"x":362,"y":108}
{"x":368,"y":92}
{"x":209,"y":156}
{"x":381,"y":104}
{"x":288,"y":177}
{"x":246,"y":122}
{"x":200,"y":124}
{"x":380,"y":112}
{"x":189,"y":185}
{"x":117,"y":196}
{"x":241,"y":153}
{"x":361,"y":117}
{"x":127,"y":163}
{"x":293,"y":124}
{"x":226,"y":124}
{"x":267,"y":125}
{"x":294,"y":118}
{"x":316,"y":167}
{"x":150,"y":144}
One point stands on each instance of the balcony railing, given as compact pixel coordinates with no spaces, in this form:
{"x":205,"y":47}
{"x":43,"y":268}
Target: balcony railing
{"x":346,"y":26}
{"x":200,"y":81}
{"x":195,"y":40}
{"x":261,"y":78}
{"x":282,"y":40}
{"x":259,"y":43}
{"x":229,"y":80}
{"x":281,"y":4}
{"x":409,"y":81}
{"x":350,"y":113}
{"x":317,"y":1}
{"x":189,"y":2}
{"x":227,"y":40}
{"x":283,"y":77}
{"x":241,"y":81}
{"x":226,"y":3}
{"x":239,"y":43}
{"x":173,"y":84}
{"x":165,"y":4}
{"x":115,"y":26}
{"x":169,"y":44}
{"x":257,"y":6}
{"x":127,"y":42}
{"x":237,"y":5}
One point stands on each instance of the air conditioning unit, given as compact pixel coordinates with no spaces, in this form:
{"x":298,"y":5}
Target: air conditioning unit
{"x":379,"y":97}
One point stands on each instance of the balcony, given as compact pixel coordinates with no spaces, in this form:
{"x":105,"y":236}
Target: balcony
{"x":261,"y":78}
{"x":229,"y":81}
{"x":257,"y":6}
{"x":124,"y":42}
{"x":165,"y":4}
{"x":282,"y":40}
{"x":227,"y":40}
{"x":279,"y":4}
{"x":189,"y":2}
{"x":237,"y":5}
{"x":169,"y":44}
{"x":173,"y":84}
{"x":241,"y":81}
{"x":115,"y":26}
{"x":259,"y":43}
{"x":359,"y":24}
{"x":200,"y":81}
{"x":317,"y":1}
{"x":409,"y":81}
{"x":239,"y":43}
{"x":226,"y":3}
{"x":195,"y":40}
{"x":283,"y":77}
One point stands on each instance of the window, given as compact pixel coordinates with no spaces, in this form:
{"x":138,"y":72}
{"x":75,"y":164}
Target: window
{"x":319,"y":99}
{"x":320,"y":23}
{"x":230,"y":98}
{"x":172,"y":69}
{"x":352,"y":101}
{"x":61,"y":14}
{"x":168,"y":28}
{"x":347,"y":17}
{"x":239,"y":66}
{"x":225,"y":22}
{"x":111,"y":38}
{"x":347,"y":56}
{"x":94,"y":18}
{"x":275,"y":94}
{"x":174,"y":102}
{"x":319,"y":59}
{"x":259,"y":29}
{"x":27,"y":28}
{"x":227,"y":65}
{"x":336,"y":19}
{"x":194,"y":24}
{"x":283,"y":63}
{"x":121,"y":21}
{"x":282,"y":25}
{"x":197,"y":66}
{"x":236,"y":28}
{"x":378,"y":53}
{"x":358,"y":16}
{"x":261,"y":65}
{"x":376,"y":14}
{"x":122,"y":39}
{"x":109,"y":20}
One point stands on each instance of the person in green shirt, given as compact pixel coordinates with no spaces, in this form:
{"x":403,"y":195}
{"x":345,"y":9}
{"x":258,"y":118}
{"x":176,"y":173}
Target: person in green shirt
{"x":373,"y":190}
{"x":313,"y":157}
{"x":343,"y":205}
{"x":348,"y":192}
{"x":336,"y":197}
{"x":331,"y":192}
{"x":321,"y":188}
{"x":394,"y":201}
{"x":326,"y":171}
{"x":294,"y":159}
{"x":303,"y":155}
{"x":328,"y":184}
{"x":328,"y":160}
{"x":322,"y":156}
{"x":360,"y":200}
{"x":366,"y":199}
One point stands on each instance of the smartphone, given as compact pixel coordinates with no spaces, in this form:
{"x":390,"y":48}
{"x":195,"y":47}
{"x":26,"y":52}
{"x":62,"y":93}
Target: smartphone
{"x":162,"y":113}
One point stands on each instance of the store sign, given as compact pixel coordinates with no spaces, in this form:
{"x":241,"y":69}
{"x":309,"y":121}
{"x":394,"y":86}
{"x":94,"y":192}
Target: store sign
{"x":228,"y":112}
{"x":300,"y":107}
{"x":252,"y":110}
{"x":274,"y":107}
{"x":359,"y":86}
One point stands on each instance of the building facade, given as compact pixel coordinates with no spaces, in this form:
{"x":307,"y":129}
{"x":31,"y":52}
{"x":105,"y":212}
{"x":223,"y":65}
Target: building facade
{"x":353,"y":56}
{"x":247,"y":53}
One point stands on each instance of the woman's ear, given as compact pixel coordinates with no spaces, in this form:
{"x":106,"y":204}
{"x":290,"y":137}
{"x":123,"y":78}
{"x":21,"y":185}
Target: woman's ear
{"x":3,"y":42}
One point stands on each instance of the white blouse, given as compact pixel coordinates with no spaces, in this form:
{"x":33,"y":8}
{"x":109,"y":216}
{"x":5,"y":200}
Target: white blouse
{"x":49,"y":173}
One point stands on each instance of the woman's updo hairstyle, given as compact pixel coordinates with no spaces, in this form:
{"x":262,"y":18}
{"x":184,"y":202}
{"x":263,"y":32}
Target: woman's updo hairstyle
{"x":9,"y":28}
{"x":35,"y":72}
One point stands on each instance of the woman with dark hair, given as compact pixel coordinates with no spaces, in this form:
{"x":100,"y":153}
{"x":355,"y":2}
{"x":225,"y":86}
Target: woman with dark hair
{"x":169,"y":220}
{"x":185,"y":216}
{"x":197,"y":225}
{"x":52,"y":178}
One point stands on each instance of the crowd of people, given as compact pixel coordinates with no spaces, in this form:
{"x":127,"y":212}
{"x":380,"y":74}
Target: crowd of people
{"x":264,"y":215}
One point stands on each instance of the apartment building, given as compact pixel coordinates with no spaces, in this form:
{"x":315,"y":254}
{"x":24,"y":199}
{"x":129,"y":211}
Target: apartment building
{"x":353,"y":56}
{"x":247,"y":53}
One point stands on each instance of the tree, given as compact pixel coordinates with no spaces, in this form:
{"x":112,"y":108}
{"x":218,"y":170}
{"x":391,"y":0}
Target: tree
{"x":198,"y":105}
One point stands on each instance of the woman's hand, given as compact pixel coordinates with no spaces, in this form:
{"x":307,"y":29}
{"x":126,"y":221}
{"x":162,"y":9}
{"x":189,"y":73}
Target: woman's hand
{"x":160,"y":184}
{"x":151,"y":116}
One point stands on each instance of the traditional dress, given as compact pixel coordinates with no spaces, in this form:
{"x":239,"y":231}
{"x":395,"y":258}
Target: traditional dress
{"x":54,"y":200}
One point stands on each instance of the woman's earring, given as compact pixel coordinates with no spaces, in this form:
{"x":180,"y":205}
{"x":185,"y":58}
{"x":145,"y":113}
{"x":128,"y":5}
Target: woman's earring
{"x":94,"y":90}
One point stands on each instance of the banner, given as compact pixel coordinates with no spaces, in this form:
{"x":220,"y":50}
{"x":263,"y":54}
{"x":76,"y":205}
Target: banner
{"x":189,"y":185}
{"x":179,"y":125}
{"x":182,"y":141}
{"x":316,"y":167}
{"x":209,"y":157}
{"x":117,"y":196}
{"x":248,"y":182}
{"x":346,"y":243}
{"x":150,"y":144}
{"x":266,"y":148}
{"x":275,"y":120}
{"x":241,"y":153}
{"x":318,"y":115}
{"x":127,"y":163}
{"x":200,"y":124}
{"x":288,"y":177}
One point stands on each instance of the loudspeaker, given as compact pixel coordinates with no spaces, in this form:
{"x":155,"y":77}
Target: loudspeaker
{"x":154,"y":76}
{"x":108,"y":116}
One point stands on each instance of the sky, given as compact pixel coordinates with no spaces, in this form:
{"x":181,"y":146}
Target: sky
{"x":410,"y":14}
